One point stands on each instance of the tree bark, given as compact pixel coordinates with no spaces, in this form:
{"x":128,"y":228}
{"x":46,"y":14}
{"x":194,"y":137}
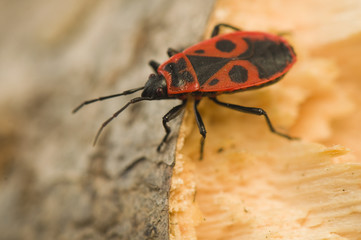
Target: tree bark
{"x":54,"y":184}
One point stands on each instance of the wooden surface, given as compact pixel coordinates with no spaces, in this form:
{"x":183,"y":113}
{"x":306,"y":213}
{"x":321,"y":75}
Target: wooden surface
{"x":54,"y":184}
{"x":252,"y":184}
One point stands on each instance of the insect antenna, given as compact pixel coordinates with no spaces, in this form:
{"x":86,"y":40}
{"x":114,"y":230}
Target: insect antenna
{"x":134,"y":100}
{"x":107,"y":97}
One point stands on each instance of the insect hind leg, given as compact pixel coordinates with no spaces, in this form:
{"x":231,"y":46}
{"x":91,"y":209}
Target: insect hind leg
{"x":216,"y":28}
{"x":253,"y":110}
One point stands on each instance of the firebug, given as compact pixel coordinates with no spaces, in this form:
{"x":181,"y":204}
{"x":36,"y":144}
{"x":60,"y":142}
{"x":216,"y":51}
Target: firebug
{"x":225,"y":63}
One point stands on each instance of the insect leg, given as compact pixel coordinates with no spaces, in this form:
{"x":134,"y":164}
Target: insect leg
{"x":201,"y":127}
{"x":253,"y":110}
{"x":173,"y":113}
{"x":216,"y":28}
{"x":155,"y":65}
{"x":172,"y":52}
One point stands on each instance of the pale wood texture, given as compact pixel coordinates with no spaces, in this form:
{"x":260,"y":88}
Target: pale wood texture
{"x":252,"y":184}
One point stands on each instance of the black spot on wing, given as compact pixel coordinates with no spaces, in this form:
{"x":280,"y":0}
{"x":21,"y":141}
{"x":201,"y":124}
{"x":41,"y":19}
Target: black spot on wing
{"x":199,"y":51}
{"x":268,"y":56}
{"x":206,"y":67}
{"x":225,"y":45}
{"x":238,"y":74}
{"x":213,"y":82}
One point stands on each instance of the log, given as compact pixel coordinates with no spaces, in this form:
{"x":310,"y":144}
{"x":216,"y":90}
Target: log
{"x":55,"y":184}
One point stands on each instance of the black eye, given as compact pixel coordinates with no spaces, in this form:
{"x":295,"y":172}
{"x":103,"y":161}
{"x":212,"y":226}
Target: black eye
{"x":160,"y":91}
{"x":153,"y":77}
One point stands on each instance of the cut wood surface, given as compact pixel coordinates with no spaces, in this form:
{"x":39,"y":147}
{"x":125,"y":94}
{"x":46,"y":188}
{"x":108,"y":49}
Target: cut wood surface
{"x":252,"y":184}
{"x":56,"y":54}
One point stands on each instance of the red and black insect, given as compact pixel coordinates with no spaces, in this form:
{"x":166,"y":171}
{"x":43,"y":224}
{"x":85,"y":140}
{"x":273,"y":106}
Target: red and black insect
{"x":226,"y":63}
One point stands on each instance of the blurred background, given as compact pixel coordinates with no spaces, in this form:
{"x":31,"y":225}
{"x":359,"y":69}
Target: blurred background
{"x":53,"y":56}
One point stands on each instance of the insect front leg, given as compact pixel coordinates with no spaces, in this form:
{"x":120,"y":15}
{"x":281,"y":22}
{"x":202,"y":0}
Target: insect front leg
{"x":216,"y":28}
{"x":253,"y":110}
{"x":171,"y":52}
{"x":173,"y":113}
{"x":201,"y":127}
{"x":154,"y":65}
